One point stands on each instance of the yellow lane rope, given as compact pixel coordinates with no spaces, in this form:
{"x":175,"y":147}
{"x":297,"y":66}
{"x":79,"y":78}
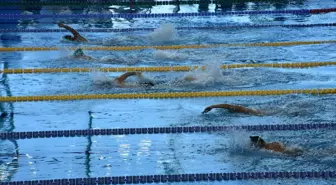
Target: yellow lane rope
{"x":164,"y":68}
{"x":172,"y":47}
{"x":165,"y":95}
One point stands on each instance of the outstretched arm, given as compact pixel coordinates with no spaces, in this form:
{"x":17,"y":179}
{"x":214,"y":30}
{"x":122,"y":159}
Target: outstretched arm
{"x":233,"y":108}
{"x":124,"y":76}
{"x":73,"y":31}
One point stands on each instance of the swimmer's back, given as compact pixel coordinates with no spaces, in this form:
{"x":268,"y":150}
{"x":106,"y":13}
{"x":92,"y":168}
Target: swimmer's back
{"x":275,"y":146}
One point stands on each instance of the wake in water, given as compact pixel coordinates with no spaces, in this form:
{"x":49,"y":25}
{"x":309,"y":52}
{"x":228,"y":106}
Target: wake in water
{"x":169,"y":55}
{"x":79,"y":55}
{"x":120,"y":40}
{"x":110,"y":59}
{"x":164,"y":33}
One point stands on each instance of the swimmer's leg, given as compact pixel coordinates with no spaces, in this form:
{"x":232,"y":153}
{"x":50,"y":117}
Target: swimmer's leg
{"x":293,"y":152}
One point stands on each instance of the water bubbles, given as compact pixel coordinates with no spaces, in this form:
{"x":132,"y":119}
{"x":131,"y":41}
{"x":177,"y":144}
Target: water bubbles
{"x":29,"y":156}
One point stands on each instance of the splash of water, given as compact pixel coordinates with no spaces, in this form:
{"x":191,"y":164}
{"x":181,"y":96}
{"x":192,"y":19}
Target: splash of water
{"x":239,"y":141}
{"x":210,"y":75}
{"x":166,"y":32}
{"x":145,"y":79}
{"x":100,"y":78}
{"x":169,"y":55}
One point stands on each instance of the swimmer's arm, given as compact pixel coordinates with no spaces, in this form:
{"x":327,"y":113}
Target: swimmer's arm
{"x":73,"y":31}
{"x":124,"y":76}
{"x":209,"y":108}
{"x":234,"y":108}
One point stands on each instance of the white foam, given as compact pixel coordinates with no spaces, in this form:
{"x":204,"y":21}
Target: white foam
{"x":113,"y":40}
{"x":166,"y":32}
{"x":239,"y":141}
{"x":169,"y":55}
{"x":145,"y":79}
{"x":100,"y":77}
{"x":210,"y":75}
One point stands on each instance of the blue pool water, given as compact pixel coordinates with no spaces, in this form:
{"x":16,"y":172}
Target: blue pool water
{"x":175,"y":153}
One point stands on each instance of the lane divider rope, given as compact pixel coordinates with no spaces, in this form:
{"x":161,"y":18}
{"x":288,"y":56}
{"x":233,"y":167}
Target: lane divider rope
{"x":100,"y":30}
{"x":163,"y":68}
{"x":161,"y":130}
{"x":171,"y":47}
{"x":198,"y":177}
{"x":108,"y":2}
{"x":163,"y":15}
{"x":164,"y":95}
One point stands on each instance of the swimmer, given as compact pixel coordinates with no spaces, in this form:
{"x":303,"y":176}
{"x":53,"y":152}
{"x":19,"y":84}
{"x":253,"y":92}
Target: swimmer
{"x":76,"y":36}
{"x":234,"y":108}
{"x":120,"y":81}
{"x":258,"y":142}
{"x":189,"y":78}
{"x":79,"y":54}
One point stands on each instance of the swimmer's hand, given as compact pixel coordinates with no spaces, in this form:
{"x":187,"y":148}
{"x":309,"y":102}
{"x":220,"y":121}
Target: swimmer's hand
{"x":207,"y":110}
{"x":61,"y":25}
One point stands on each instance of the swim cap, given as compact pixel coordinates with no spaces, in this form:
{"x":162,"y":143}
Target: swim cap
{"x":67,"y":37}
{"x":254,"y":138}
{"x":79,"y":52}
{"x":147,"y":83}
{"x":257,"y":141}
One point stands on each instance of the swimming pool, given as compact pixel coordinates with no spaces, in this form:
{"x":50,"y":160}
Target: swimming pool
{"x":124,"y":155}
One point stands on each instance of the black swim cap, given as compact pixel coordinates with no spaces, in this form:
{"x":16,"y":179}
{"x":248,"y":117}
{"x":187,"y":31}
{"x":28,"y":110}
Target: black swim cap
{"x":255,"y":138}
{"x":79,"y":52}
{"x":147,"y":83}
{"x":68,"y":37}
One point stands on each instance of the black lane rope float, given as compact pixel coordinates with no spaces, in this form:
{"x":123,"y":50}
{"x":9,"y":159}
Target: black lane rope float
{"x":198,"y":177}
{"x":160,"y":130}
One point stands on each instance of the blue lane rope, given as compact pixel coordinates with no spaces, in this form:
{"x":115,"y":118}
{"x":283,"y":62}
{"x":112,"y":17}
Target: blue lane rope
{"x":108,"y":2}
{"x":199,"y":177}
{"x":178,"y":28}
{"x":162,"y":15}
{"x":160,"y":130}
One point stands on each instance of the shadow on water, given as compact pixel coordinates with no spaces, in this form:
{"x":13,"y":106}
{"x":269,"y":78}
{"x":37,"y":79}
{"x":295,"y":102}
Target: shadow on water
{"x":88,"y":150}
